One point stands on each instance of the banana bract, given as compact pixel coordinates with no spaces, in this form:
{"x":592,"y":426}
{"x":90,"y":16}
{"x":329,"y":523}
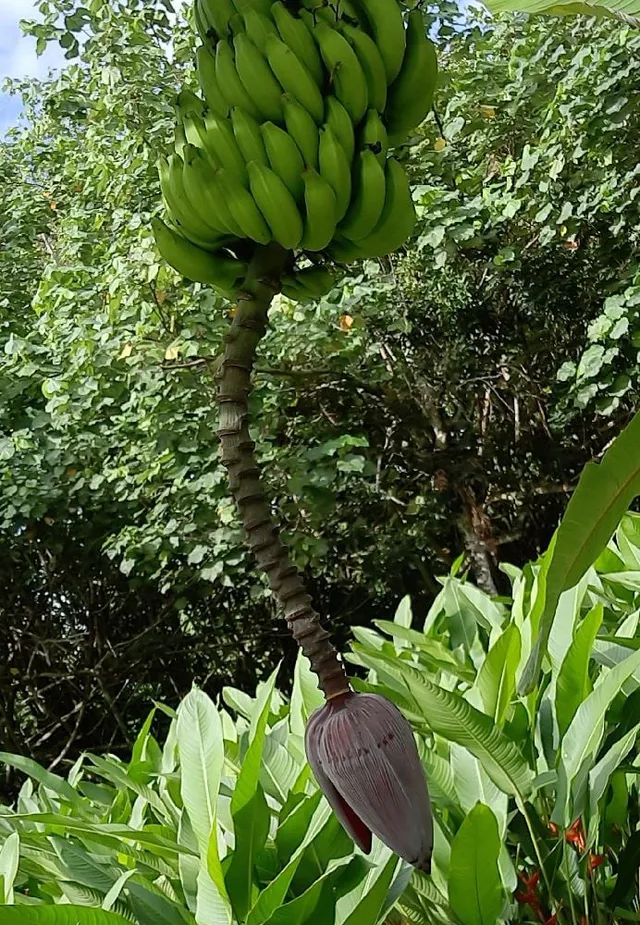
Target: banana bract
{"x":363,"y":755}
{"x":290,"y":139}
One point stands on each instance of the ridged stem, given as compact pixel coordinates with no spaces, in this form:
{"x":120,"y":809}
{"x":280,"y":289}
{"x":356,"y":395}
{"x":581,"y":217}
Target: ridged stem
{"x":248,"y":327}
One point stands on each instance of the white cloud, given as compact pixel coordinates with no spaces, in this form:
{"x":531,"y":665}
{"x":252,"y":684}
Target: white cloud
{"x":18,"y":54}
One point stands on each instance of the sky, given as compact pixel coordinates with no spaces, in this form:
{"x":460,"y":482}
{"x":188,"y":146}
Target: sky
{"x":18,"y":55}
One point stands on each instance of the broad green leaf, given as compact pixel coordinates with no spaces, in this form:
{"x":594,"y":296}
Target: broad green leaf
{"x":251,"y":827}
{"x":496,"y":680}
{"x":201,"y":749}
{"x":600,"y":773}
{"x":303,"y":909}
{"x":139,"y":746}
{"x":433,"y":650}
{"x":573,"y":684}
{"x":53,"y":782}
{"x":306,"y":696}
{"x":403,"y":617}
{"x":84,"y":867}
{"x":239,"y":701}
{"x":249,"y":810}
{"x":273,"y":895}
{"x":604,"y":492}
{"x":59,"y":915}
{"x":582,"y":738}
{"x":450,"y":716}
{"x":54,"y":822}
{"x":368,"y":910}
{"x":627,"y":11}
{"x":153,"y":907}
{"x":9,"y":860}
{"x":473,"y":785}
{"x":113,"y":894}
{"x":331,"y":843}
{"x":109,"y":769}
{"x":292,"y":831}
{"x":439,"y":776}
{"x":475,"y":888}
{"x":627,"y":878}
{"x":279,"y":770}
{"x":212,"y":908}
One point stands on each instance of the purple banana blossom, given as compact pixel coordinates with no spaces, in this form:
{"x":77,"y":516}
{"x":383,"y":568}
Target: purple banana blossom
{"x":364,"y":757}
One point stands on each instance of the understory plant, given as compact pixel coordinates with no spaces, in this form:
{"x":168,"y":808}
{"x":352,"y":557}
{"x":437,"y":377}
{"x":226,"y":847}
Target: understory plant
{"x":220,"y":821}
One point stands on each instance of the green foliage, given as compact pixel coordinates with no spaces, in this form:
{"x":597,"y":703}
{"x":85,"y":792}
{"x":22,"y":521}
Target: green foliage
{"x":543,"y":792}
{"x":184,"y":833}
{"x":534,"y":795}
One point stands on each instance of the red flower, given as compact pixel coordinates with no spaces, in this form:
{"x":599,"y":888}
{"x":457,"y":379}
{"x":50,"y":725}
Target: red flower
{"x":553,"y":828}
{"x":528,"y":896}
{"x":364,"y":757}
{"x":575,"y":836}
{"x":593,"y":861}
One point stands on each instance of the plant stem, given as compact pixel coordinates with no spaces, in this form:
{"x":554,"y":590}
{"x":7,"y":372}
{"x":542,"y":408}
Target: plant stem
{"x":234,"y":386}
{"x":521,"y":806}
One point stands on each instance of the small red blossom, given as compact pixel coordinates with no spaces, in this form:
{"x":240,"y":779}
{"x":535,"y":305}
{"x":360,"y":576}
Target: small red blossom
{"x":575,"y":836}
{"x":594,"y":861}
{"x":553,"y":828}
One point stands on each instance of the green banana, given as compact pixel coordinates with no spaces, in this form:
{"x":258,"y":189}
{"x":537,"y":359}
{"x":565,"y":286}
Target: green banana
{"x":321,"y":211}
{"x":257,"y":77}
{"x":195,"y":183}
{"x":373,"y":135}
{"x":171,"y":184}
{"x":295,"y":34}
{"x":243,"y":208}
{"x":221,"y":143}
{"x":276,"y":204}
{"x":302,"y":129}
{"x":386,"y":25}
{"x":343,"y":251}
{"x":294,"y":291}
{"x":253,"y":6}
{"x":247,"y":134}
{"x":258,"y":26}
{"x":314,"y":281}
{"x":339,"y":120}
{"x":197,"y":264}
{"x":294,"y":77}
{"x":229,"y":81}
{"x":187,"y":103}
{"x":206,"y":66}
{"x":411,"y":94}
{"x":368,"y":198}
{"x":336,"y":169}
{"x":332,"y":11}
{"x":217,"y":14}
{"x":371,"y":62}
{"x":284,"y":158}
{"x":348,"y":78}
{"x":199,"y":176}
{"x":398,"y":216}
{"x":202,"y":26}
{"x":236,"y":25}
{"x":196,"y":133}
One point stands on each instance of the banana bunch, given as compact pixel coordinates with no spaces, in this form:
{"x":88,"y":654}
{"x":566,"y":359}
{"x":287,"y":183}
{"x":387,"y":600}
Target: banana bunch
{"x":301,"y":103}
